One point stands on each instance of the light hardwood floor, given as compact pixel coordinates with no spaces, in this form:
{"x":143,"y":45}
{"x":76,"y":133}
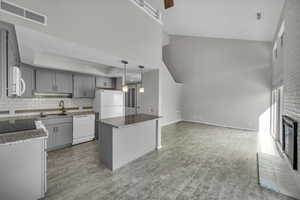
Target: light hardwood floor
{"x":196,"y":162}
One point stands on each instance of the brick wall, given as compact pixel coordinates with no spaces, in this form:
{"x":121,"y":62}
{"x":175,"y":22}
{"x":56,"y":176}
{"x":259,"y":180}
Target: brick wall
{"x":291,"y":67}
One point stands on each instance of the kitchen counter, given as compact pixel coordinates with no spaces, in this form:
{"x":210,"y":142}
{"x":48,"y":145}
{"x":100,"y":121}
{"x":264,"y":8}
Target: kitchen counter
{"x":37,"y":132}
{"x":118,"y":122}
{"x":49,"y":116}
{"x":21,"y":136}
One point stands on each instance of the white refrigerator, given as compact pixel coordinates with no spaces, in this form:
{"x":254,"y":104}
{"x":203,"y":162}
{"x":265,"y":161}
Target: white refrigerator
{"x":108,"y":104}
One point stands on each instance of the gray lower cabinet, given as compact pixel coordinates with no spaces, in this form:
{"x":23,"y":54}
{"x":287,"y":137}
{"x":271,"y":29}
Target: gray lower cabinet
{"x":50,"y":81}
{"x":28,"y":77}
{"x":84,"y":86}
{"x":60,"y":133}
{"x":105,"y":82}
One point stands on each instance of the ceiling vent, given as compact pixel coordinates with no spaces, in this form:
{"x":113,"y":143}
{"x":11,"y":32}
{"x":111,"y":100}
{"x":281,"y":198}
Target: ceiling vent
{"x":23,"y":12}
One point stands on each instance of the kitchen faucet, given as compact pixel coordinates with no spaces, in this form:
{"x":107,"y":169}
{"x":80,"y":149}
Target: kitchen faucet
{"x":62,"y":106}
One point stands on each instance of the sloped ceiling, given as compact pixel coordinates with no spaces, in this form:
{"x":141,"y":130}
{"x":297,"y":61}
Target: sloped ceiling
{"x":117,"y":30}
{"x":232,"y":19}
{"x":42,"y":50}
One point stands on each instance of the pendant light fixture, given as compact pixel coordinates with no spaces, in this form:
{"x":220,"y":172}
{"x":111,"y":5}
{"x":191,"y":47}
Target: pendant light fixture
{"x":142,"y":89}
{"x":124,"y":85}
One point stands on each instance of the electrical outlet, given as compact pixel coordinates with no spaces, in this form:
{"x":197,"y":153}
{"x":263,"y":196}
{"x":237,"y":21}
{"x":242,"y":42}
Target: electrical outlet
{"x":151,"y":110}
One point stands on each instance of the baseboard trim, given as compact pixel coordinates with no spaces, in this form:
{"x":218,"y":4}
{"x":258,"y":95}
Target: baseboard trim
{"x":219,"y":125}
{"x":171,"y":122}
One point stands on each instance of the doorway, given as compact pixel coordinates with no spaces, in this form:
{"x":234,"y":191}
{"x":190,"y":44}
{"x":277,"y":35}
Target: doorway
{"x":276,"y":114}
{"x":132,"y":99}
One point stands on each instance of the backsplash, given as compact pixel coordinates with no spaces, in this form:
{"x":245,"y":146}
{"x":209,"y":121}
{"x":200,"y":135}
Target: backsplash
{"x":11,"y":106}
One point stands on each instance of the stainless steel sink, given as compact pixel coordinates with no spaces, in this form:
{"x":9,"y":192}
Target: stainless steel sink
{"x":53,"y":115}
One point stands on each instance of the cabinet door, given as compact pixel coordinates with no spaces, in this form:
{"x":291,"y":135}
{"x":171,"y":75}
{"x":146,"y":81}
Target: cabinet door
{"x":28,"y":77}
{"x":84,"y":86}
{"x":50,"y":142}
{"x":45,"y":81}
{"x":104,"y":82}
{"x":118,"y":83}
{"x":64,"y":82}
{"x":90,"y":86}
{"x":78,"y":87}
{"x":63,"y":134}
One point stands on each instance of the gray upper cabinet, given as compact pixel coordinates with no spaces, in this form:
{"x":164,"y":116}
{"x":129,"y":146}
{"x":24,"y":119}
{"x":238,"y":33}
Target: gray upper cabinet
{"x":84,"y":86}
{"x":64,"y":82}
{"x":105,"y":82}
{"x":118,"y":83}
{"x":49,"y":81}
{"x":28,"y":76}
{"x":45,"y":81}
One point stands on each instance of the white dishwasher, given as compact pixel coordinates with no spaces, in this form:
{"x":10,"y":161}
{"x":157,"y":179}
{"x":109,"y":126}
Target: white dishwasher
{"x":83,"y":128}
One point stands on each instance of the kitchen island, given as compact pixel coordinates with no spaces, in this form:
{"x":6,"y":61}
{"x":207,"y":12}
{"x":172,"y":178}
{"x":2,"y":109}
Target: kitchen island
{"x":127,"y":138}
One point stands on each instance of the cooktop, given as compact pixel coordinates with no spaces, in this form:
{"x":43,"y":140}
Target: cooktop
{"x":10,"y":126}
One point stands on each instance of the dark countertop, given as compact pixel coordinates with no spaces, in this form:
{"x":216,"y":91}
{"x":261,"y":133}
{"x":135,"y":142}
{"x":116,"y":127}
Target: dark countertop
{"x":21,"y":136}
{"x":49,"y":116}
{"x":118,"y":122}
{"x":11,"y":126}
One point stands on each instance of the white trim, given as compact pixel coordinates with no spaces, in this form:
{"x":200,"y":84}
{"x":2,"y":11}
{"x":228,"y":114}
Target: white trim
{"x":219,"y":125}
{"x":23,"y":17}
{"x":82,"y":140}
{"x":281,"y":30}
{"x":148,"y":12}
{"x":171,"y":122}
{"x":158,"y":147}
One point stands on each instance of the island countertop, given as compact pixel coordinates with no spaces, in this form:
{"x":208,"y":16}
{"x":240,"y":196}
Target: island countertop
{"x":118,"y":122}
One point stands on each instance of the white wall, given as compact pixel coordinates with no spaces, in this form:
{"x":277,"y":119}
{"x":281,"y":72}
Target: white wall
{"x":170,"y":96}
{"x":226,"y":82}
{"x":118,"y":28}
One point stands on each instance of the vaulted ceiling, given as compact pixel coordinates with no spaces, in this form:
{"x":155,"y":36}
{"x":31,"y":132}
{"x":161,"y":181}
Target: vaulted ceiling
{"x":234,"y":19}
